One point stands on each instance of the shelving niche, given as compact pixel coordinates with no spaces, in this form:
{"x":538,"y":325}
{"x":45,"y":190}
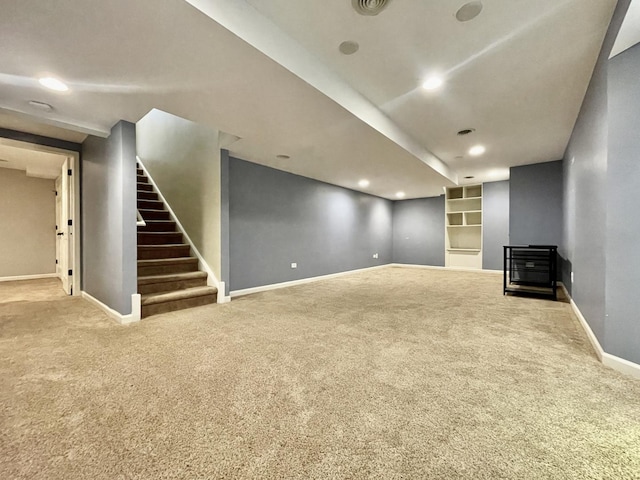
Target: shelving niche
{"x":463,"y":230}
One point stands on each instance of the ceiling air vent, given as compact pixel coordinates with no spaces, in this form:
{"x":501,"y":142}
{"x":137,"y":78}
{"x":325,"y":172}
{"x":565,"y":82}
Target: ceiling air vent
{"x":369,"y":7}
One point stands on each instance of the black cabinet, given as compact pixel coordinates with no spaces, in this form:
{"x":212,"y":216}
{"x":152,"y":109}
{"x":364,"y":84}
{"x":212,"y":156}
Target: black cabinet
{"x":531,"y":269}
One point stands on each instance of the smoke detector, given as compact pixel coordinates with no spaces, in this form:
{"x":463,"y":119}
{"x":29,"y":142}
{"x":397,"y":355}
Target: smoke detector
{"x":369,"y":7}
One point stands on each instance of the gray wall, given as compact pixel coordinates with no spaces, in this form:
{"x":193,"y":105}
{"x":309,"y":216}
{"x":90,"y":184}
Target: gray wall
{"x":535,"y":204}
{"x":28,"y":224}
{"x":224,"y":219}
{"x":276,"y":218}
{"x":622,"y":321}
{"x":586,"y":195}
{"x":418,"y":231}
{"x":495,"y":223}
{"x":109,"y":217}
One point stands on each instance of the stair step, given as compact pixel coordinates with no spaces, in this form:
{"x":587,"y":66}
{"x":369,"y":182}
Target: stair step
{"x":146,"y":187}
{"x":145,"y":195}
{"x":155,"y":303}
{"x":154,"y":214}
{"x":142,"y":179}
{"x":166,"y":226}
{"x":166,"y":266}
{"x":139,"y":171}
{"x":171,"y":282}
{"x":148,"y":252}
{"x":159,"y":238}
{"x":150,"y":205}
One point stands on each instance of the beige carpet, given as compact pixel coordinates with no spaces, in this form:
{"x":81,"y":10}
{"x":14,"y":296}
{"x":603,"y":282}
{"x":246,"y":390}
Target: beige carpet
{"x":394,"y":373}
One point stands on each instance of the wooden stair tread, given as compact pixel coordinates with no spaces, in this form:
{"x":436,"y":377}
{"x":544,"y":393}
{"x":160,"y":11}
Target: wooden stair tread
{"x":153,"y":298}
{"x":164,"y":245}
{"x":171,"y":277}
{"x":166,"y":261}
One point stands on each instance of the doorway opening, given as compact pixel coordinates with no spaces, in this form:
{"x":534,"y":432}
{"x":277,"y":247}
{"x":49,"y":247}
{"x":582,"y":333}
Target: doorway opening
{"x":55,"y":170}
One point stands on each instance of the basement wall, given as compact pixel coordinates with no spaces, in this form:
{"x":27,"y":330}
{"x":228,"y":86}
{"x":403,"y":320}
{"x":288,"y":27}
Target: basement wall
{"x":418,"y":231}
{"x":183,"y":158}
{"x":28,"y":224}
{"x":601,"y":177}
{"x":109,"y":243}
{"x":277,"y":218}
{"x":495,"y":223}
{"x":622,"y":320}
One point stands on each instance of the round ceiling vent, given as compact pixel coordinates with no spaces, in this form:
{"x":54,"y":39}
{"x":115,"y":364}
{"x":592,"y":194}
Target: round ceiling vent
{"x":469,"y":11}
{"x":369,"y":7}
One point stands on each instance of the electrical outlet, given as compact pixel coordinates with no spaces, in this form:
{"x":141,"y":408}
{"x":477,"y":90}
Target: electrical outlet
{"x":294,"y":265}
{"x":375,"y":255}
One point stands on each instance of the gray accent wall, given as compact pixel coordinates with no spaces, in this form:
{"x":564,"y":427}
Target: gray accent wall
{"x":224,"y":219}
{"x":28,"y":224}
{"x":418,"y":231}
{"x":495,"y":223}
{"x":535,"y":204}
{"x":277,"y":218}
{"x":588,"y":202}
{"x":109,"y":243}
{"x":622,"y":320}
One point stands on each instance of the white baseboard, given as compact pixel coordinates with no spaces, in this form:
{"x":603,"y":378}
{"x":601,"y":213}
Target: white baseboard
{"x":455,"y":269}
{"x":302,"y":281}
{"x":133,"y":317}
{"x":221,"y":296}
{"x":617,"y":363}
{"x":28,"y":277}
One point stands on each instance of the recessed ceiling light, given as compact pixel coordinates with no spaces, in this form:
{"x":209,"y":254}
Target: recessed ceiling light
{"x":432,"y":83}
{"x":466,"y":131}
{"x":477,"y":150}
{"x":349,"y":47}
{"x":469,"y":11}
{"x":53,"y":84}
{"x":364,"y":183}
{"x":400,"y":194}
{"x":283,"y":157}
{"x":45,"y":107}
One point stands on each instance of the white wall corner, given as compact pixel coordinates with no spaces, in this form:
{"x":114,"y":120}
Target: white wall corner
{"x":222,"y":298}
{"x":117,"y":316}
{"x":136,"y":307}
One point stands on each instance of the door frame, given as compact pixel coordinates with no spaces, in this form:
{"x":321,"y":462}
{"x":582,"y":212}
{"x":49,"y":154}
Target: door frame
{"x":75,"y":236}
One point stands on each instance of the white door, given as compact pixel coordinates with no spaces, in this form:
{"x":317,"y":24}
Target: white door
{"x":64,"y":202}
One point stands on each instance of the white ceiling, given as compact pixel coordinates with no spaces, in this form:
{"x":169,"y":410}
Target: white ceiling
{"x":26,"y":157}
{"x":629,"y":33}
{"x":269,"y":72}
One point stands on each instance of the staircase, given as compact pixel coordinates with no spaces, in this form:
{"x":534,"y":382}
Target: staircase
{"x":168,"y":276}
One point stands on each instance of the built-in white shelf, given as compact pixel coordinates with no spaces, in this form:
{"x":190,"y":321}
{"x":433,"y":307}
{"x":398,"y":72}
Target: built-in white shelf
{"x":463,"y":219}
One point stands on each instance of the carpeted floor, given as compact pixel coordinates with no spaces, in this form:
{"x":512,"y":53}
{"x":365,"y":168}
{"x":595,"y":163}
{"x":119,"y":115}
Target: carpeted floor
{"x":393,"y":373}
